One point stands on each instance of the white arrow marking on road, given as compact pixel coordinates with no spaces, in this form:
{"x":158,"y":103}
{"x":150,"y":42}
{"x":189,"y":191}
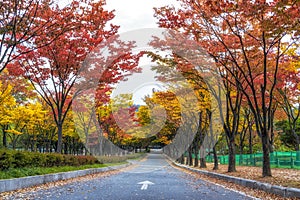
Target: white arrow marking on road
{"x":145,"y":184}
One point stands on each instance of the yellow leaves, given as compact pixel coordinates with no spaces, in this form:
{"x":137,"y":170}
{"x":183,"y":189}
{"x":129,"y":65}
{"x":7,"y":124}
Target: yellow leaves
{"x":7,"y":102}
{"x":18,"y":115}
{"x":69,"y":125}
{"x":121,"y":101}
{"x":168,"y":101}
{"x":143,"y":115}
{"x":5,"y":94}
{"x":6,"y":98}
{"x":13,"y":131}
{"x":103,"y":111}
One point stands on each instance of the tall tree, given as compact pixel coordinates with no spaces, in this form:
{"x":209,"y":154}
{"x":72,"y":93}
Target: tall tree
{"x":54,"y":69}
{"x":7,"y":102}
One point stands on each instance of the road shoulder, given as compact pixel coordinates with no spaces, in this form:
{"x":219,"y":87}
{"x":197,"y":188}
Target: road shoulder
{"x":277,"y":191}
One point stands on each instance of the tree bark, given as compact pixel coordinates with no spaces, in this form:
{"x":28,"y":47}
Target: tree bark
{"x":203,"y":163}
{"x":59,"y":138}
{"x":231,"y":156}
{"x":4,"y":138}
{"x":297,"y":139}
{"x":266,"y":156}
{"x":196,"y":160}
{"x":181,"y":159}
{"x":216,"y":161}
{"x":190,"y":157}
{"x":196,"y":145}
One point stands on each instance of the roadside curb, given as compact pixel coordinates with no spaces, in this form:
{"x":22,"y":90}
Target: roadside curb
{"x":25,"y":182}
{"x":274,"y":189}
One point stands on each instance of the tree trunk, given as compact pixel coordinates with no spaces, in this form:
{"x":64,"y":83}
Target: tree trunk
{"x":271,"y":143}
{"x":216,"y":162}
{"x":190,"y":157}
{"x":47,"y":144}
{"x":250,"y":140}
{"x":196,"y":161}
{"x":14,"y":143}
{"x":196,"y":150}
{"x":66,"y":146}
{"x":203,"y":163}
{"x":297,"y":147}
{"x":266,"y":155}
{"x":241,"y":153}
{"x":182,"y":159}
{"x":186,"y":160}
{"x":59,"y":138}
{"x":231,"y":156}
{"x":4,"y":138}
{"x":297,"y":139}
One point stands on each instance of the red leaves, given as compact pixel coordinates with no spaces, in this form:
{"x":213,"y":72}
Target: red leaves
{"x":75,"y":31}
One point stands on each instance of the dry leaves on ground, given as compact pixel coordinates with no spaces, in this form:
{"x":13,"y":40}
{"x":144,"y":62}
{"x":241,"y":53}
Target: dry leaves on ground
{"x":284,"y":177}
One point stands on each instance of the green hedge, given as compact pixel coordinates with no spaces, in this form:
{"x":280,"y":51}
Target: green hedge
{"x":18,"y":159}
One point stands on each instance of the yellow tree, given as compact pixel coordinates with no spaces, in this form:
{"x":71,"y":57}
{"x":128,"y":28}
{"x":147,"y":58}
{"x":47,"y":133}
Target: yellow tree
{"x":35,"y":115}
{"x":7,"y":102}
{"x":24,"y":119}
{"x":46,"y":129}
{"x":171,"y":106}
{"x":73,"y":143}
{"x":84,"y":117}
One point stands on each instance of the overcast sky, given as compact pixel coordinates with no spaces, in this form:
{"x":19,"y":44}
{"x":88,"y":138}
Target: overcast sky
{"x":132,"y":15}
{"x":135,"y":14}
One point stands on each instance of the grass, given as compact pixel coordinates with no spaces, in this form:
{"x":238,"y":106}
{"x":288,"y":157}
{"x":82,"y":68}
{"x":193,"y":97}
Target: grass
{"x":32,"y":171}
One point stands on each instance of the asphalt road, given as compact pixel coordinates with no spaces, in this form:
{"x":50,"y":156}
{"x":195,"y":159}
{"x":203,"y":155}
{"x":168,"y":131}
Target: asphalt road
{"x":152,"y":178}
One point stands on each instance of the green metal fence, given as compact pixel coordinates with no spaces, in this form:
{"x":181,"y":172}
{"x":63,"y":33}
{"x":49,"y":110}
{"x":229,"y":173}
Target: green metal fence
{"x":278,"y":159}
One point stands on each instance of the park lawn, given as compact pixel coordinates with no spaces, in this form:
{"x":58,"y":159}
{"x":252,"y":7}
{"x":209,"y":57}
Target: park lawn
{"x":32,"y":171}
{"x":283,"y":177}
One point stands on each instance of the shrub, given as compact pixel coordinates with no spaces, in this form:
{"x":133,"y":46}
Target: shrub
{"x":54,"y":160}
{"x":87,"y":160}
{"x":70,"y":160}
{"x":21,"y":159}
{"x":82,"y":160}
{"x":6,"y":160}
{"x":38,"y":160}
